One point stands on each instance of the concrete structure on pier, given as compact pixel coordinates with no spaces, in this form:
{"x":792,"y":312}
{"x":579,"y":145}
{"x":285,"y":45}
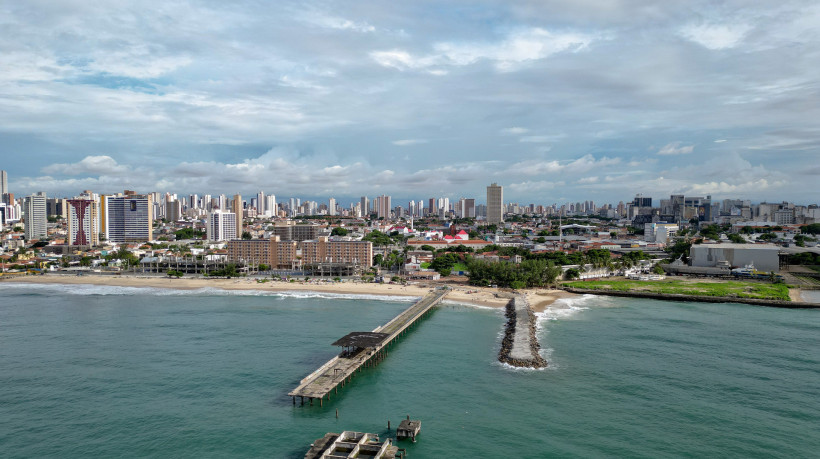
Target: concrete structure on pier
{"x":362,"y":349}
{"x":352,"y":444}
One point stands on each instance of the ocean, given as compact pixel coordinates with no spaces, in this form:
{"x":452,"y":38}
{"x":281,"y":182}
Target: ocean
{"x":91,"y":371}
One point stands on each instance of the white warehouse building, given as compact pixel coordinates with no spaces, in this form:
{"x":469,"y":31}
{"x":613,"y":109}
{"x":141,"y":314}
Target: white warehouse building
{"x":763,"y":256}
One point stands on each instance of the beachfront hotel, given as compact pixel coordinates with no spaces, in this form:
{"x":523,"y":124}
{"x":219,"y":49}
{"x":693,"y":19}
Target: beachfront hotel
{"x":280,"y":254}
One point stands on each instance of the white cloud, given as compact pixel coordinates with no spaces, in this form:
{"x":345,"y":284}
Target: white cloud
{"x":515,"y":49}
{"x":95,"y":165}
{"x":540,"y":138}
{"x":715,"y":36}
{"x":337,"y":23}
{"x":675,"y":148}
{"x":580,"y":165}
{"x":408,"y":142}
{"x":514,"y":131}
{"x":592,"y":179}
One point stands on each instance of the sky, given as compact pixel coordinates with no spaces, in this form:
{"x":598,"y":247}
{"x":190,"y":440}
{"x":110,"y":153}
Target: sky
{"x":555,"y":100}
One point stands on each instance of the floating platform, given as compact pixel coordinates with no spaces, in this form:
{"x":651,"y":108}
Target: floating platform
{"x":361,"y":349}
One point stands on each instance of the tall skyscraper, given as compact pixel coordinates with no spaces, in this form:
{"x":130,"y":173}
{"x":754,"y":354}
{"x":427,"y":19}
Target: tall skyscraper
{"x":331,"y":206}
{"x":365,"y":207}
{"x":383,"y":206}
{"x":83,"y":222}
{"x":4,"y":183}
{"x":466,"y":208}
{"x":173,"y":210}
{"x":260,"y":203}
{"x":495,"y":203}
{"x":270,"y":206}
{"x":222,"y":226}
{"x":236,"y":207}
{"x":129,"y":219}
{"x":34,"y":208}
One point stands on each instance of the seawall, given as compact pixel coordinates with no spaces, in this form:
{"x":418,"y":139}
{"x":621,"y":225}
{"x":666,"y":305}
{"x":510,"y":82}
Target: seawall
{"x":695,"y":298}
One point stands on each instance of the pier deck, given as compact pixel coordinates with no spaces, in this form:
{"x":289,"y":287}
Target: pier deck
{"x":338,"y":370}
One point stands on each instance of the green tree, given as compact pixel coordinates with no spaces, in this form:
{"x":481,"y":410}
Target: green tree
{"x":246,"y":235}
{"x":736,"y":238}
{"x":339,"y":231}
{"x":813,"y":228}
{"x":658,"y":269}
{"x":572,"y":273}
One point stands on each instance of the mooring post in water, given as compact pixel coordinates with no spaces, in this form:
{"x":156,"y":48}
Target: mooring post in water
{"x":388,"y":424}
{"x":337,"y":413}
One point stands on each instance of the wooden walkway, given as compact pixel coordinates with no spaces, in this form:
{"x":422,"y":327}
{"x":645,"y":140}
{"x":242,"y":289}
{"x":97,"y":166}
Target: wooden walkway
{"x":340,"y":369}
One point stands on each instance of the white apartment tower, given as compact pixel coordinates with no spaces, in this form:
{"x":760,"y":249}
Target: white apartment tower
{"x":222,"y":226}
{"x":270,"y":206}
{"x":495,"y":203}
{"x":34,"y":208}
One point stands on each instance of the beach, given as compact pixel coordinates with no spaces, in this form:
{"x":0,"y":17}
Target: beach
{"x":539,"y":299}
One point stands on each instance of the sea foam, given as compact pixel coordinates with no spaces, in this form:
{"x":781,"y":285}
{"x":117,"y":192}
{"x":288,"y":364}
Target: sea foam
{"x":107,"y":290}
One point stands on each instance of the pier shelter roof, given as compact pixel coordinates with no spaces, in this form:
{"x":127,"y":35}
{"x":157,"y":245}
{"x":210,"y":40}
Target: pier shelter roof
{"x":361,"y":339}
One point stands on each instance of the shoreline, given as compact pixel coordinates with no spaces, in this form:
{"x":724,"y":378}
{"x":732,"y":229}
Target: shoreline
{"x":697,"y":299}
{"x":540,"y":299}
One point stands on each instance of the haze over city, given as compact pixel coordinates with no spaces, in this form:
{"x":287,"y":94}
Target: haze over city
{"x":559,"y":101}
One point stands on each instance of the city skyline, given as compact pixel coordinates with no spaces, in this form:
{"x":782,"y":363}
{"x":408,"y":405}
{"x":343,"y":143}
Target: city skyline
{"x":559,"y":101}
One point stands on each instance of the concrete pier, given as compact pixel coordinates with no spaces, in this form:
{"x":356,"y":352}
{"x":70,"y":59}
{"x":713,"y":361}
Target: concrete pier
{"x":362,"y":349}
{"x":520,"y":347}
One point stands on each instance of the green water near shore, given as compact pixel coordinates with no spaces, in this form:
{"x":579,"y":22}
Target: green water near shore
{"x":110,"y":371}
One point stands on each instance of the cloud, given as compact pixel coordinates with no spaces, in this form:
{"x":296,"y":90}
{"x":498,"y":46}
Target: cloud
{"x":715,"y":36}
{"x":517,"y":48}
{"x":514,"y":131}
{"x":593,"y":179}
{"x":94,"y":165}
{"x":583,"y":164}
{"x":674,"y":148}
{"x":408,"y":142}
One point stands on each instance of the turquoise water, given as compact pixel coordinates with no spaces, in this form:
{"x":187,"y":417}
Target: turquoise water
{"x":107,"y":371}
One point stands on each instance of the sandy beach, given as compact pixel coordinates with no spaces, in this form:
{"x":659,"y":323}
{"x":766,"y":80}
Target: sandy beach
{"x":539,"y":299}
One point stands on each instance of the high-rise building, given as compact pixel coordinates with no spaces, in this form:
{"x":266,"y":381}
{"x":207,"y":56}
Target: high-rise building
{"x":236,"y":207}
{"x":34,"y":208}
{"x":331,"y":206}
{"x":260,"y":203}
{"x":128,"y":219}
{"x":221,"y":226}
{"x":365,"y":204}
{"x":383,"y":206}
{"x":83,"y":222}
{"x":4,"y":183}
{"x":495,"y":203}
{"x":270,"y":206}
{"x":466,"y":208}
{"x":173,"y":210}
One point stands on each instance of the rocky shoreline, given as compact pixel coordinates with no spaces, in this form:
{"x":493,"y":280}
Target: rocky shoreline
{"x":520,"y":347}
